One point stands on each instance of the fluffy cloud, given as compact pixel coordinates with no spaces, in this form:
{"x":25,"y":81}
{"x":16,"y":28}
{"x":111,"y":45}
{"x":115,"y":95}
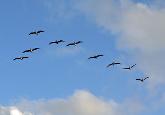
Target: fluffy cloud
{"x":140,"y":29}
{"x":80,"y":103}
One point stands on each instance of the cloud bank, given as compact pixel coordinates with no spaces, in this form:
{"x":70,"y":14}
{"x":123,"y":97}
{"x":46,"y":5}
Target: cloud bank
{"x":80,"y":103}
{"x":140,"y":29}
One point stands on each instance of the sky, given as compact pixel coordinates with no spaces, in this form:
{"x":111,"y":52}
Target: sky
{"x":62,"y":80}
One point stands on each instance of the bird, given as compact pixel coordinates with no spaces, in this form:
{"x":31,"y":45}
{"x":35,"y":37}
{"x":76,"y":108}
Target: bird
{"x":30,"y":50}
{"x":113,"y":63}
{"x":130,"y":67}
{"x":95,"y":57}
{"x":142,"y":79}
{"x":56,"y":42}
{"x":74,"y":43}
{"x":36,"y":32}
{"x":20,"y":58}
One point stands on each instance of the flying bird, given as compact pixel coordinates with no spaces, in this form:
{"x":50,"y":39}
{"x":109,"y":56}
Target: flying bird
{"x":130,"y":67}
{"x":113,"y":63}
{"x":142,"y":79}
{"x":56,"y":42}
{"x":20,"y":58}
{"x":36,"y":32}
{"x":95,"y":57}
{"x":74,"y":43}
{"x":30,"y":50}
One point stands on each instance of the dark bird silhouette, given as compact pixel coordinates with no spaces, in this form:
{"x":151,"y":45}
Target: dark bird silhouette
{"x":130,"y":67}
{"x":142,"y":79}
{"x":30,"y":50}
{"x":36,"y":32}
{"x":113,"y":63}
{"x":20,"y":58}
{"x":74,"y":43}
{"x":56,"y":42}
{"x":95,"y":57}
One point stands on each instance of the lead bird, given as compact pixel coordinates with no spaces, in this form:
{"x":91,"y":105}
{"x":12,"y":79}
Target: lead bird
{"x":56,"y":42}
{"x":142,"y":79}
{"x":130,"y":67}
{"x":95,"y":57}
{"x":30,"y":50}
{"x":20,"y":58}
{"x":36,"y":32}
{"x":113,"y":63}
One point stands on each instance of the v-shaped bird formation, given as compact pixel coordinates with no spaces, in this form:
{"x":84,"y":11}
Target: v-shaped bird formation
{"x":75,"y":43}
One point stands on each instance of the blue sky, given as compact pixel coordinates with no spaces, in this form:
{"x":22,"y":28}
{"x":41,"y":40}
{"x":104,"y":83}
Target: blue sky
{"x":56,"y":71}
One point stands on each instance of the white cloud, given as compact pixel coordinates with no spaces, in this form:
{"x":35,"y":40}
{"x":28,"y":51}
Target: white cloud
{"x":140,"y":29}
{"x":80,"y":103}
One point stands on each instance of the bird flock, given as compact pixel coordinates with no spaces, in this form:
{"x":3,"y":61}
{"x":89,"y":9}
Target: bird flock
{"x":75,"y":43}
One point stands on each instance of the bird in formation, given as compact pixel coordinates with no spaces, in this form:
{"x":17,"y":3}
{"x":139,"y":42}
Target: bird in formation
{"x":130,"y":67}
{"x":20,"y":58}
{"x":95,"y":57}
{"x":142,"y":79}
{"x":74,"y":43}
{"x":36,"y":32}
{"x":113,"y":63}
{"x":56,"y":42}
{"x":30,"y":50}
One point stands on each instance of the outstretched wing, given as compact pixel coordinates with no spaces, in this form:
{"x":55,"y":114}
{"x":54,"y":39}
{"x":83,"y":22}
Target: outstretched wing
{"x":117,"y":63}
{"x":25,"y":57}
{"x":26,"y":51}
{"x":32,"y":33}
{"x":139,"y":79}
{"x":133,"y":65}
{"x":78,"y":42}
{"x":126,"y":68}
{"x":35,"y":49}
{"x":40,"y":31}
{"x":146,"y":78}
{"x":110,"y":64}
{"x":16,"y":58}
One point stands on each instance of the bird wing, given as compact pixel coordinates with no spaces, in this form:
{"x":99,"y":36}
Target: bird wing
{"x":40,"y":31}
{"x":35,"y":49}
{"x":126,"y":68}
{"x":16,"y":58}
{"x":32,"y":33}
{"x":26,"y":51}
{"x":110,"y":65}
{"x":117,"y":63}
{"x":146,"y":78}
{"x":133,"y":65}
{"x":25,"y":57}
{"x":139,"y":79}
